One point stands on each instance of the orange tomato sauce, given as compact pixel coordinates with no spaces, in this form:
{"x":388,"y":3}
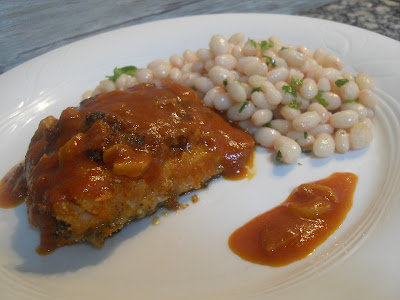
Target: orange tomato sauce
{"x":295,"y":228}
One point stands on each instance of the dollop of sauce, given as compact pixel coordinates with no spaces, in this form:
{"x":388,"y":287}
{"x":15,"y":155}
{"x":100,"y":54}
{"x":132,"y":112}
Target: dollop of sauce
{"x":295,"y":228}
{"x":13,"y":187}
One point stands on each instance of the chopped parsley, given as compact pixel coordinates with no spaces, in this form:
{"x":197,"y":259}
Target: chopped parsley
{"x":279,"y":156}
{"x":284,"y":48}
{"x":299,"y":164}
{"x":264,"y":45}
{"x":269,"y":125}
{"x":305,"y":150}
{"x":253,"y":43}
{"x":128,"y":70}
{"x":321,"y":100}
{"x":245,"y":104}
{"x":351,"y":101}
{"x":194,"y":88}
{"x":305,"y":134}
{"x":225,"y":82}
{"x":270,"y":61}
{"x":295,"y":104}
{"x":255,"y":89}
{"x":341,"y":82}
{"x":290,"y":89}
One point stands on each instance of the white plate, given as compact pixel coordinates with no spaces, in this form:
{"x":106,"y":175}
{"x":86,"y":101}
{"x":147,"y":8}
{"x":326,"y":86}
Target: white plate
{"x":186,"y":255}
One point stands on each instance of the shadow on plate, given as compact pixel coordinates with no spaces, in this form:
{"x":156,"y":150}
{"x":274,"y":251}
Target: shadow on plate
{"x":67,"y":258}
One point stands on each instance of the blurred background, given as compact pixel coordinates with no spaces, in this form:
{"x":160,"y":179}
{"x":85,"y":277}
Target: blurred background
{"x":31,"y":28}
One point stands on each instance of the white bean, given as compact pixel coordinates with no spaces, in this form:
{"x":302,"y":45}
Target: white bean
{"x":121,"y":82}
{"x":331,"y":61}
{"x":283,"y":126}
{"x":255,"y":68}
{"x":278,"y":74}
{"x":266,"y":136}
{"x":188,"y":79}
{"x":322,"y":111}
{"x":293,"y":57}
{"x":144,"y":75}
{"x":222,"y":101}
{"x":326,"y":128}
{"x":304,"y":139}
{"x":349,"y":91}
{"x":359,"y":108}
{"x":364,"y":81}
{"x":235,"y":89}
{"x":218,"y":45}
{"x":204,"y":54}
{"x":175,"y":74}
{"x":333,"y":100}
{"x":324,"y":85}
{"x":244,"y":61}
{"x":259,"y":100}
{"x":212,"y":94}
{"x":256,"y":80}
{"x":261,"y":117}
{"x":241,"y":111}
{"x":176,"y":60}
{"x":237,"y":52}
{"x":344,"y":119}
{"x":226,"y":60}
{"x":368,"y":98}
{"x":324,"y":145}
{"x":218,"y":74}
{"x":309,"y":89}
{"x":203,"y":84}
{"x":189,"y":56}
{"x":236,"y":39}
{"x":273,"y":96}
{"x":249,"y":49}
{"x":306,"y":121}
{"x":360,"y":136}
{"x":329,"y":73}
{"x":289,"y":113}
{"x":288,"y":150}
{"x":197,"y":66}
{"x":319,"y":52}
{"x":342,"y":141}
{"x":304,"y":50}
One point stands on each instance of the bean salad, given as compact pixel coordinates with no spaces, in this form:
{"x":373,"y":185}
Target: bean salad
{"x":291,"y":99}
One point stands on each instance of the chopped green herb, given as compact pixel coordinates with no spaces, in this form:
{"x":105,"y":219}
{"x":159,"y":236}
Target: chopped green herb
{"x":284,"y":48}
{"x":255,"y":89}
{"x":341,"y":82}
{"x":225,"y":82}
{"x":269,"y":125}
{"x":253,"y":43}
{"x":305,"y":150}
{"x":321,"y":100}
{"x":279,"y":156}
{"x":305,"y":134}
{"x":194,"y":88}
{"x":270,"y":61}
{"x":290,"y":90}
{"x":128,"y":70}
{"x":294,"y":82}
{"x":295,"y":104}
{"x":351,"y":101}
{"x":299,"y":164}
{"x":265,"y":45}
{"x":245,"y":104}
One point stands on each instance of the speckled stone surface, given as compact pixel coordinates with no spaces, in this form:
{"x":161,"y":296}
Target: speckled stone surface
{"x":381,"y":16}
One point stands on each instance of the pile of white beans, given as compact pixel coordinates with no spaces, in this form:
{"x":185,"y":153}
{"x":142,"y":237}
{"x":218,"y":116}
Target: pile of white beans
{"x":288,"y":98}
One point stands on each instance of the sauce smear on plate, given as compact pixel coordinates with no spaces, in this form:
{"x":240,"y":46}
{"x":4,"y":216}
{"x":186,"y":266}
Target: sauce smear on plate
{"x":292,"y":230}
{"x":13,"y":187}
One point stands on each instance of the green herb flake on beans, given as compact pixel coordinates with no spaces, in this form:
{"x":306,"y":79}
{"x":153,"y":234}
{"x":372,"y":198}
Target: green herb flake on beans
{"x":128,"y":70}
{"x":341,"y":82}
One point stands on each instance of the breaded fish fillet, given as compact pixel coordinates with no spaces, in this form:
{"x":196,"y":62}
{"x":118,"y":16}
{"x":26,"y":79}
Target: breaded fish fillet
{"x":119,"y":156}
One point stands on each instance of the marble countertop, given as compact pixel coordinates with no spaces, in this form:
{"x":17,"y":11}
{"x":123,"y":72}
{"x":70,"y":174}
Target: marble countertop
{"x":31,"y":28}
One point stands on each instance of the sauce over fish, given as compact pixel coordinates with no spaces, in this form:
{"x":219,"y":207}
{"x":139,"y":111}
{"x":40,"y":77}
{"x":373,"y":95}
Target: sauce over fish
{"x":119,"y":156}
